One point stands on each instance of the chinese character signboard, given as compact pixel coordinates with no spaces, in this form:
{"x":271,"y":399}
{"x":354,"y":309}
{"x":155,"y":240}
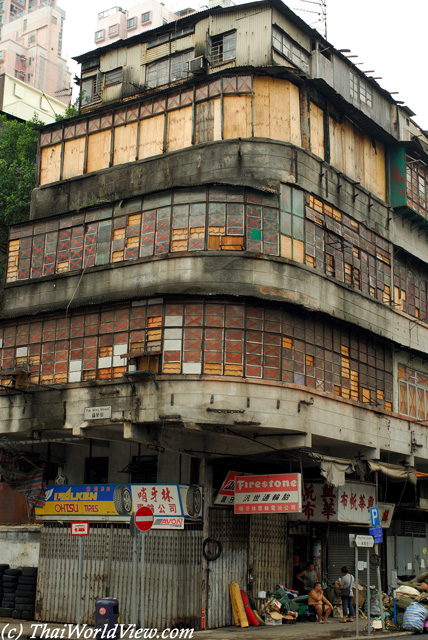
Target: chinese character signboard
{"x":106,"y":502}
{"x":279,"y":493}
{"x":349,"y":503}
{"x":163,"y":500}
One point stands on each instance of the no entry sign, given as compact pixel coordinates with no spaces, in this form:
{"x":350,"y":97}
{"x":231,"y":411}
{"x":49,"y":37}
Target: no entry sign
{"x":144,"y":519}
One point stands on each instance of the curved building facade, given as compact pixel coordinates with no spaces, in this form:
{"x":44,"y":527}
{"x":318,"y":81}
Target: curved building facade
{"x":225,"y":270}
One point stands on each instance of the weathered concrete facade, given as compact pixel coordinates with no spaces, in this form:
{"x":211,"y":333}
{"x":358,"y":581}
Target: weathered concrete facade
{"x":309,"y":335}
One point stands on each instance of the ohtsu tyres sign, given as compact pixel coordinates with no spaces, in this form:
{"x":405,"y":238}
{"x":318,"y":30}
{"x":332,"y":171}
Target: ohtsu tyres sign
{"x":280,"y":493}
{"x":169,"y":503}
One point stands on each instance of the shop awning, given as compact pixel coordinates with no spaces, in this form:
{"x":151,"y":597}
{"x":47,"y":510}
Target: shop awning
{"x":398,"y":472}
{"x":334,"y":469}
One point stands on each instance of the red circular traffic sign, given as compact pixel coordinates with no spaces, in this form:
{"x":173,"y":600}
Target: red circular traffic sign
{"x":102,"y":611}
{"x":144,"y":519}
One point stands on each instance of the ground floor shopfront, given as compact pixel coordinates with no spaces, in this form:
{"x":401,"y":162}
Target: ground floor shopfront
{"x":184,"y":585}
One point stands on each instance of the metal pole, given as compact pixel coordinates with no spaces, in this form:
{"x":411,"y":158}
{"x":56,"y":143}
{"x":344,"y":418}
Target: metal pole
{"x":134,"y":579}
{"x":379,"y":586}
{"x":357,"y":593}
{"x":79,"y":584}
{"x":368,"y":592}
{"x":143,"y":561}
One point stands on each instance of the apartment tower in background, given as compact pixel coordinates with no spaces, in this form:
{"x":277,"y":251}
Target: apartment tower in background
{"x":31,"y":46}
{"x":118,"y":24}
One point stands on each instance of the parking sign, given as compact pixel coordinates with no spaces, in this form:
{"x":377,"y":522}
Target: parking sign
{"x":374,"y":516}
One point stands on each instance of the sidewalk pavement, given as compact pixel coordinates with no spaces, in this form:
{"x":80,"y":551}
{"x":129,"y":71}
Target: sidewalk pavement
{"x":299,"y":631}
{"x":11,"y":629}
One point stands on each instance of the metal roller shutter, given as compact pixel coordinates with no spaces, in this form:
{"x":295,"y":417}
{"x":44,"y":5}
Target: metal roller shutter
{"x":339,"y":553}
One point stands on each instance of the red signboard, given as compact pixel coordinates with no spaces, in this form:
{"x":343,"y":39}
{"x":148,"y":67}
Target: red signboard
{"x":226,"y":495}
{"x":281,"y":493}
{"x":79,"y":528}
{"x":144,"y":518}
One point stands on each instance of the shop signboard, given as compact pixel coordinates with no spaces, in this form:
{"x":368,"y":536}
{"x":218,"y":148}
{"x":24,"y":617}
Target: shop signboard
{"x":280,"y":493}
{"x":115,"y":503}
{"x":226,"y":495}
{"x":350,"y":503}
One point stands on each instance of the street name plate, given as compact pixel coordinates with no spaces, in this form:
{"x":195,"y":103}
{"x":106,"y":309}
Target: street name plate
{"x":97,"y":413}
{"x":364,"y":541}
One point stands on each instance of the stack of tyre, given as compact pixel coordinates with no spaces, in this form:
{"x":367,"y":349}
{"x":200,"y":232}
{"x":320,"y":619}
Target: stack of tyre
{"x":25,"y":594}
{"x":3,"y":568}
{"x":9,"y":582}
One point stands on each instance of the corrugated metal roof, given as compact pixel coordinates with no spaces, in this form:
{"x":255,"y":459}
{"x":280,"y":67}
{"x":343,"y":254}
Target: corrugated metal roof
{"x":198,"y":15}
{"x":195,"y":17}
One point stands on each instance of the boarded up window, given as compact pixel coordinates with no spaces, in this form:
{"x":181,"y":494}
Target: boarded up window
{"x":74,"y":157}
{"x":125,"y":143}
{"x":99,"y":151}
{"x":179,"y":129}
{"x":151,"y":136}
{"x":50,"y":164}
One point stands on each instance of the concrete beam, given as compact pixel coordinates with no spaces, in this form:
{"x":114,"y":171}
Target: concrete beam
{"x":195,"y":442}
{"x":284,"y":442}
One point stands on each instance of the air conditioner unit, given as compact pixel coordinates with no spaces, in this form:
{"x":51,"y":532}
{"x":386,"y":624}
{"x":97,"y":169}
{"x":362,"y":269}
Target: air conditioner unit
{"x":192,"y":500}
{"x":198,"y":65}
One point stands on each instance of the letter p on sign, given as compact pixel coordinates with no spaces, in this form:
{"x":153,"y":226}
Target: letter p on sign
{"x":374,"y":516}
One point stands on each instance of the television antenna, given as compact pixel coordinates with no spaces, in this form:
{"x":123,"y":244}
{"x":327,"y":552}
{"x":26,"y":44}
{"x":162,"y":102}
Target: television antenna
{"x":320,"y":10}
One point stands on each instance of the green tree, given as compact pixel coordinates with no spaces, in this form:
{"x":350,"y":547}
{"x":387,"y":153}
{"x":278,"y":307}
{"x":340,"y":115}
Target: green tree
{"x":72,"y":110}
{"x":18,"y":150}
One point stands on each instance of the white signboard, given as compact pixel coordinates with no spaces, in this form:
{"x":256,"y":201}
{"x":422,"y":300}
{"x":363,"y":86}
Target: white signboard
{"x":279,"y":493}
{"x":97,"y":413}
{"x":350,"y":503}
{"x":364,"y":541}
{"x":168,"y":523}
{"x":163,"y":500}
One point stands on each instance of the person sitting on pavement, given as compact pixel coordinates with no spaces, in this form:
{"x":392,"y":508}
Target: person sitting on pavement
{"x":346,"y":583}
{"x":308,"y":576}
{"x":318,"y":604}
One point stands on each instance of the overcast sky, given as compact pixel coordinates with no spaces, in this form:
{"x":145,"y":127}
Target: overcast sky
{"x":389,"y":37}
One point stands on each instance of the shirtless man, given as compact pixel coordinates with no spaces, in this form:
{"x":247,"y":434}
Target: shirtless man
{"x":318,"y":604}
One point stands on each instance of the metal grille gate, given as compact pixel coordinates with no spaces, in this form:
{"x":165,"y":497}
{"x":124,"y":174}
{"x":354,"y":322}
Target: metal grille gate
{"x":232,"y":531}
{"x":256,"y":542}
{"x":268,"y":551}
{"x":173,"y":582}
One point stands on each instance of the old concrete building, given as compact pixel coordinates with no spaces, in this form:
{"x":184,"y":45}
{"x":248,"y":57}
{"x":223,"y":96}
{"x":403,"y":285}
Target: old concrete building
{"x":225,"y":270}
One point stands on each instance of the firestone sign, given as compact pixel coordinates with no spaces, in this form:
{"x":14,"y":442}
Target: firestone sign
{"x":279,"y":493}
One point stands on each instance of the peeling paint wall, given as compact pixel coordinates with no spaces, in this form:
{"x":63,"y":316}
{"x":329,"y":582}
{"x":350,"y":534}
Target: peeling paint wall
{"x":19,"y":546}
